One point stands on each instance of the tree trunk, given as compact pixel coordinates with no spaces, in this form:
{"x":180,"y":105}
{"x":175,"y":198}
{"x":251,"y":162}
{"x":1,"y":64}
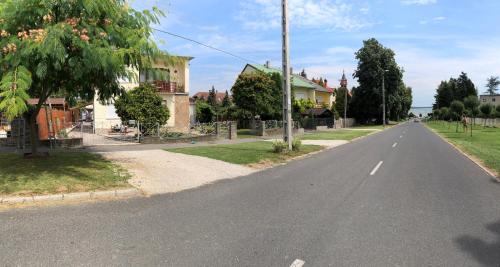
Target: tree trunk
{"x":33,"y":133}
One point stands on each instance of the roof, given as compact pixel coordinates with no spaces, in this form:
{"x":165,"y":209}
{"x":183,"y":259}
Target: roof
{"x":317,"y":87}
{"x":219,"y":97}
{"x":297,"y":81}
{"x":52,"y":101}
{"x":489,"y":95}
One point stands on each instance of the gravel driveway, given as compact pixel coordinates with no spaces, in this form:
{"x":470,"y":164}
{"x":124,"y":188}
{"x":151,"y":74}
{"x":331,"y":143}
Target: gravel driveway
{"x":159,"y":171}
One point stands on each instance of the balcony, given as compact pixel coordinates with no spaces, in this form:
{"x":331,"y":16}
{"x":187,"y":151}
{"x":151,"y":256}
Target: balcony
{"x":168,"y":87}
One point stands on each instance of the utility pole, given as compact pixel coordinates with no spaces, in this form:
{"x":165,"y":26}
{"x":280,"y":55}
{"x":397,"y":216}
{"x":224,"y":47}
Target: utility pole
{"x":345,"y":107}
{"x":287,"y":100}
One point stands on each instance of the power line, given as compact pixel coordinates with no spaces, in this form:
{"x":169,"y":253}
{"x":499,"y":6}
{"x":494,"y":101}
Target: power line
{"x":206,"y":45}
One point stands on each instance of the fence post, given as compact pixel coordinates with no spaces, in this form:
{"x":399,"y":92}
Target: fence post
{"x":217,"y":129}
{"x":158,"y":129}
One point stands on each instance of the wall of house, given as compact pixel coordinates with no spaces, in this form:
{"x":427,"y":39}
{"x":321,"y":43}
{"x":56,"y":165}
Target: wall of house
{"x":304,"y":93}
{"x":494,"y":99}
{"x":324,"y":98}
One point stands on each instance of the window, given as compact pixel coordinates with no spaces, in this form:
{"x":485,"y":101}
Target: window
{"x":493,"y":100}
{"x":484,"y":99}
{"x":300,"y":96}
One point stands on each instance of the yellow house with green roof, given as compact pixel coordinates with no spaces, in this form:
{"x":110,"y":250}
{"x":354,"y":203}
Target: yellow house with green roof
{"x":301,"y":87}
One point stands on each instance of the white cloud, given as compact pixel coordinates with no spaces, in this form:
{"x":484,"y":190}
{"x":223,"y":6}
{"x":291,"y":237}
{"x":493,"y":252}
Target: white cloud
{"x":326,"y":14}
{"x":418,"y":2}
{"x":434,"y":20}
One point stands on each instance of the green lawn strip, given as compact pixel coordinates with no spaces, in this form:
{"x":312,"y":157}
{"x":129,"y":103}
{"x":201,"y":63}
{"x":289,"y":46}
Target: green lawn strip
{"x":245,"y":153}
{"x":246,"y":134}
{"x":335,"y":135}
{"x":484,"y":143}
{"x":59,"y":173}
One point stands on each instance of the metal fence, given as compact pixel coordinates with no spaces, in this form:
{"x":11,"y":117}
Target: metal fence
{"x":13,"y":134}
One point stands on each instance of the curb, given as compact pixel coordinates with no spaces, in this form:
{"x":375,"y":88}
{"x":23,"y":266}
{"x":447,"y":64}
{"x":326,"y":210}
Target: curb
{"x":123,"y":193}
{"x":470,"y":157}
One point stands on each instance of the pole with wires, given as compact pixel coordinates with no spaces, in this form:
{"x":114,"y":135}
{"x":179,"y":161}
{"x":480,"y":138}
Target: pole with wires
{"x":287,"y":101}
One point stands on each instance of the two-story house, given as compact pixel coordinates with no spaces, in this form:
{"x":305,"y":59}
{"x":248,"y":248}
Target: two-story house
{"x":303,"y":88}
{"x":172,"y":82}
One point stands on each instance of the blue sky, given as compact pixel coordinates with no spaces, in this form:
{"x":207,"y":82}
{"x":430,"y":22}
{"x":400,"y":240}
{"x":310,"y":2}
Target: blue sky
{"x":433,"y":39}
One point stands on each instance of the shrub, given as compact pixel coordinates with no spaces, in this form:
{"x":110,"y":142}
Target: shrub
{"x":296,"y":144}
{"x":279,"y":146}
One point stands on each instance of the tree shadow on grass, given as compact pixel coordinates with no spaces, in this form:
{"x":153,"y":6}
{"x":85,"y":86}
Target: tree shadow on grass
{"x":485,"y":253}
{"x":58,"y":173}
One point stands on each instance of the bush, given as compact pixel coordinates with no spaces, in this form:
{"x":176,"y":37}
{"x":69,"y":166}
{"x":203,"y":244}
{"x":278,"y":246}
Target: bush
{"x":279,"y":146}
{"x":296,"y":144}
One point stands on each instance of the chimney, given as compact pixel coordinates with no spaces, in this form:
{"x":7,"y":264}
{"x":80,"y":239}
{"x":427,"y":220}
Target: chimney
{"x":326,"y":83}
{"x":268,"y":64}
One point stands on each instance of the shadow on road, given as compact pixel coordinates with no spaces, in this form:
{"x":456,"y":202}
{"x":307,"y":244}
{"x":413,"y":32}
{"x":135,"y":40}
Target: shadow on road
{"x":485,"y":253}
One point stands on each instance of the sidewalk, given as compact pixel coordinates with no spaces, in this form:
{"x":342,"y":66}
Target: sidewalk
{"x":139,"y":147}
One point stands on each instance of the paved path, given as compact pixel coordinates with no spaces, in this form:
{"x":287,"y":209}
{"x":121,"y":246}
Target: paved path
{"x":368,"y":203}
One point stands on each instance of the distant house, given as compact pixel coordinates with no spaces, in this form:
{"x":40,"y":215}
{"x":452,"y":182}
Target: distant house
{"x":219,"y":97}
{"x":303,"y":88}
{"x":492,"y":99}
{"x":171,"y":80}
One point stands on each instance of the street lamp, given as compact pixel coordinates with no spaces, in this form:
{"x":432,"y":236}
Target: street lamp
{"x":383,"y":96}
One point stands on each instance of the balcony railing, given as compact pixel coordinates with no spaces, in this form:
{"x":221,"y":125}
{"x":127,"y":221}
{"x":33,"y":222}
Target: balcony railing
{"x":168,"y":87}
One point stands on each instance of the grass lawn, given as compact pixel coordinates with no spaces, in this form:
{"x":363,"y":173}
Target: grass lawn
{"x":245,"y":153}
{"x":58,"y":173}
{"x":246,"y":134}
{"x":484,"y":143}
{"x":335,"y":135}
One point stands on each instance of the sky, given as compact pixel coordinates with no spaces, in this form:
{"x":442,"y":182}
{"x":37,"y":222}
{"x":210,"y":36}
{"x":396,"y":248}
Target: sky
{"x":433,"y":39}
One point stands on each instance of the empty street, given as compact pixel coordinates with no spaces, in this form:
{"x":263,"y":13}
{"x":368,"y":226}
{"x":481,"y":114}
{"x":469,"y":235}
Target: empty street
{"x":425,"y":205}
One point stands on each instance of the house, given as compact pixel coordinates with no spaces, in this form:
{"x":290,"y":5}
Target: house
{"x":219,"y":97}
{"x":492,"y":99}
{"x":303,"y":88}
{"x":171,"y":80}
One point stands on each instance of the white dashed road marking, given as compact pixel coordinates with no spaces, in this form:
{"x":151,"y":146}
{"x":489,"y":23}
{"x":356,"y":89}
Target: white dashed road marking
{"x":298,"y":263}
{"x":400,"y":136}
{"x":395,"y":144}
{"x":376,"y":168}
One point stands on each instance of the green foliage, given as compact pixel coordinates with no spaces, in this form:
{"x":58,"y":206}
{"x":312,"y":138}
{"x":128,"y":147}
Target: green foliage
{"x":144,"y":105}
{"x":445,"y":113}
{"x":280,"y":146}
{"x":204,"y":111}
{"x":498,"y":111}
{"x":366,"y":104}
{"x":78,"y":46}
{"x":486,"y":110}
{"x":492,"y":85}
{"x":226,"y":102}
{"x":13,"y":92}
{"x":457,"y":109}
{"x":258,"y":94}
{"x":75,"y":48}
{"x":302,"y":105}
{"x":296,"y":144}
{"x":454,"y":89}
{"x":212,"y":97}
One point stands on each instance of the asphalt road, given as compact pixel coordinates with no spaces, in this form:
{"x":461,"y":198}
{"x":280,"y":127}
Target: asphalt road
{"x":425,"y":205}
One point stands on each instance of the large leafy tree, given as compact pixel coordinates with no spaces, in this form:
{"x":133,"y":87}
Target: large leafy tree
{"x":258,"y":94}
{"x":454,"y":89}
{"x":76,"y":48}
{"x":492,"y":85}
{"x":377,"y":63}
{"x":144,"y":105}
